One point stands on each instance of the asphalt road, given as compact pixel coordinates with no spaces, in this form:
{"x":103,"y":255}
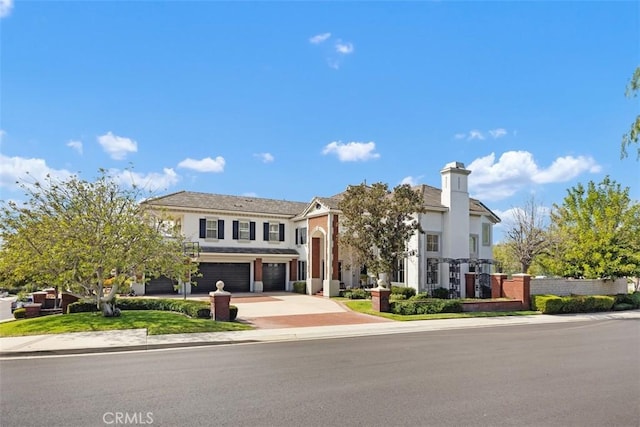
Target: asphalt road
{"x":579,"y":374}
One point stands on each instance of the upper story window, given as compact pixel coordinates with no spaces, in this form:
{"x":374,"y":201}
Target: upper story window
{"x":273,"y":232}
{"x":433,"y":243}
{"x":473,"y":245}
{"x":244,"y":230}
{"x":211,"y":228}
{"x":301,"y":236}
{"x":486,"y":234}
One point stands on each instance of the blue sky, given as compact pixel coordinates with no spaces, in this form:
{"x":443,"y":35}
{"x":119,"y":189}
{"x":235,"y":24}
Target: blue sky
{"x":291,"y":100}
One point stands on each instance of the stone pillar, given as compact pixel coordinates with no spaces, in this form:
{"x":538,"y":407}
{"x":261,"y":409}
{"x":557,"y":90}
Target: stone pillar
{"x":380,"y":299}
{"x":32,"y":310}
{"x":39,"y":297}
{"x":523,"y":289}
{"x":220,"y":300}
{"x":258,"y":286}
{"x":496,"y":285}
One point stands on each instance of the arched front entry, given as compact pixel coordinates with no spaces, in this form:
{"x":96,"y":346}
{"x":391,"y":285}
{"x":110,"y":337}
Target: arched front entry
{"x":323,"y":256}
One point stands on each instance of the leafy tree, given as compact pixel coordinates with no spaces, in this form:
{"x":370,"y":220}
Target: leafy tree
{"x":526,"y":236}
{"x":80,"y":235}
{"x":632,"y":136}
{"x":377,"y":223}
{"x":597,"y":233}
{"x":508,"y":263}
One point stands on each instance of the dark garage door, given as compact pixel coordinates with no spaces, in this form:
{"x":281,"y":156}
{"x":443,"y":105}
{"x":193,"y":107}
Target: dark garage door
{"x":273,"y":277}
{"x":160,"y":285}
{"x":235,"y":276}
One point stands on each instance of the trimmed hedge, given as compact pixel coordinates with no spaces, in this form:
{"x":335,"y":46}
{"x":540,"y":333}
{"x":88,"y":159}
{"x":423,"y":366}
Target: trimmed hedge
{"x":82,"y":306}
{"x":19,"y":313}
{"x":632,"y":299}
{"x":196,"y":309}
{"x":356,"y":294}
{"x":430,"y":306}
{"x":622,"y":306}
{"x":300,"y":287}
{"x":442,"y":293}
{"x":199,"y":309}
{"x":402,"y":290}
{"x":553,"y":304}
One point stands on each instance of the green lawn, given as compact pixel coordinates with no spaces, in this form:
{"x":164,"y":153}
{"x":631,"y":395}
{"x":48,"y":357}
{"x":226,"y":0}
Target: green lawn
{"x":364,"y":306}
{"x":156,"y":323}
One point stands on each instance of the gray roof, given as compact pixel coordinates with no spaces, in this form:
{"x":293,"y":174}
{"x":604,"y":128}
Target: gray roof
{"x":243,"y":250}
{"x":195,"y":200}
{"x":432,"y":198}
{"x":220,"y":202}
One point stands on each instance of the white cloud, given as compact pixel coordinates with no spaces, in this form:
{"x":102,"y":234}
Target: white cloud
{"x":265,"y":157}
{"x":152,"y":181}
{"x":205,"y":165}
{"x":498,"y":133}
{"x":566,"y":168}
{"x":344,"y":48}
{"x":117,"y":146}
{"x":352,"y":151}
{"x":334,"y":54}
{"x":24,"y":170}
{"x":491,"y":180}
{"x":250,"y":194}
{"x":475,"y":134}
{"x":411,"y":180}
{"x":319,"y":38}
{"x":3,"y":133}
{"x":5,"y":7}
{"x":76,"y":145}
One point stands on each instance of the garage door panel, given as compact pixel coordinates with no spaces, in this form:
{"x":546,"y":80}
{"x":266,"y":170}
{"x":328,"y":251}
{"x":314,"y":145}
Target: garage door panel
{"x":274,"y":277}
{"x":160,"y":285}
{"x":236,"y":277}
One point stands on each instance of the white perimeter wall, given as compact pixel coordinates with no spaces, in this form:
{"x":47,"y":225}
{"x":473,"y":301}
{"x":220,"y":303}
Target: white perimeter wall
{"x":564,"y":287}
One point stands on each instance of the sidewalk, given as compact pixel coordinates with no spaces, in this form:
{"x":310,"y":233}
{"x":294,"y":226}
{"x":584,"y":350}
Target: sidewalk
{"x":137,"y":339}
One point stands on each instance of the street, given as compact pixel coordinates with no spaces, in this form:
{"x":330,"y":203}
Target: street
{"x":579,"y":374}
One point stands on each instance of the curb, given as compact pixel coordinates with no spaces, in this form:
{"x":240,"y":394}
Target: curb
{"x":318,"y":332}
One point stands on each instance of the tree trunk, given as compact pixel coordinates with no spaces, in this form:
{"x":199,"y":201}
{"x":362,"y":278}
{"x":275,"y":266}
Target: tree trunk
{"x":109,"y":309}
{"x":107,"y":305}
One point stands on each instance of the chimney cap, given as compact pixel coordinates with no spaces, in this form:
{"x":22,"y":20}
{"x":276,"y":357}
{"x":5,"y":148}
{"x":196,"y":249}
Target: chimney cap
{"x":455,"y":165}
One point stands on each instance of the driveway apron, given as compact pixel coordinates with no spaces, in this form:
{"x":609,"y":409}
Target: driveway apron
{"x":286,"y":310}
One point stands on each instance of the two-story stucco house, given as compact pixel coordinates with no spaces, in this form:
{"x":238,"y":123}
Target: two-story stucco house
{"x":260,"y":245}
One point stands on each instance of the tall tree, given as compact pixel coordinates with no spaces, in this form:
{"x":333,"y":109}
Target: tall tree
{"x":508,"y":264}
{"x":377,"y":223}
{"x":526,"y":236}
{"x":632,"y":136}
{"x":77,"y":234}
{"x":597,"y":233}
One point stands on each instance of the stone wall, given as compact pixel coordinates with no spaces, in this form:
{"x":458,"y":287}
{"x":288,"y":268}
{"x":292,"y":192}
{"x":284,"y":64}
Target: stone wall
{"x":563,"y":287}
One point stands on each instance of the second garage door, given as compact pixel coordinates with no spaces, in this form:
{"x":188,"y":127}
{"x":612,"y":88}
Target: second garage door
{"x":274,"y":277}
{"x":235,"y":275}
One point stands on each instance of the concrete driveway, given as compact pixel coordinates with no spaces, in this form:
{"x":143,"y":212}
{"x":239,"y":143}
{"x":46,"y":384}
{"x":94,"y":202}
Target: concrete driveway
{"x":288,"y":310}
{"x":275,"y":310}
